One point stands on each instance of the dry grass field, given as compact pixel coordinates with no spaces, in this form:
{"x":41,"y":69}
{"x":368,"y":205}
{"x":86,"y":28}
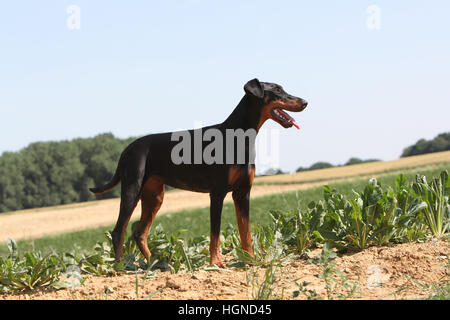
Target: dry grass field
{"x":358,"y":169}
{"x":35,"y":223}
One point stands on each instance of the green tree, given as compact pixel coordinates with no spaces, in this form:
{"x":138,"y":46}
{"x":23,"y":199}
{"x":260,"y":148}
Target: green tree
{"x":440,"y":143}
{"x":54,"y":173}
{"x":320,"y":165}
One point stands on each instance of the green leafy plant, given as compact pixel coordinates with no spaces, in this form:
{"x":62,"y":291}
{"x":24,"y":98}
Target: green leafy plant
{"x":28,"y":272}
{"x":410,"y":224}
{"x":374,"y":216}
{"x":267,"y":247}
{"x":271,"y":242}
{"x":436,"y":196}
{"x":310,"y":294}
{"x":175,"y":254}
{"x":297,"y":228}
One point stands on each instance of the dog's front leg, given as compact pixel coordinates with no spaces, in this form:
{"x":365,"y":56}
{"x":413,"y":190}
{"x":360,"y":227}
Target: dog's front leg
{"x":215,"y":217}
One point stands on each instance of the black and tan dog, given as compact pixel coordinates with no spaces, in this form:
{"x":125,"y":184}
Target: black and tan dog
{"x":145,"y":166}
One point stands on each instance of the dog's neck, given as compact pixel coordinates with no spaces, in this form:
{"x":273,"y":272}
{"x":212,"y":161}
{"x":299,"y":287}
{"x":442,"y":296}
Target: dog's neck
{"x":246,"y":115}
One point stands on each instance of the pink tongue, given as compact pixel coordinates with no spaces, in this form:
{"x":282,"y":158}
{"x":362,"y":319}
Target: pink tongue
{"x":291,"y":120}
{"x":295,"y":124}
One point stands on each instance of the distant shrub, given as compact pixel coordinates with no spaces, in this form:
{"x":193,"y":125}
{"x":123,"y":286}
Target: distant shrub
{"x":440,"y":143}
{"x":352,"y":161}
{"x":324,"y":165}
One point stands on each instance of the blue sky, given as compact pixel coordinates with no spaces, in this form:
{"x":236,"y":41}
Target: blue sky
{"x":141,"y":67}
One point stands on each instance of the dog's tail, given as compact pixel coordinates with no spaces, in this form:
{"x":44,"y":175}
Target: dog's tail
{"x":109,"y":186}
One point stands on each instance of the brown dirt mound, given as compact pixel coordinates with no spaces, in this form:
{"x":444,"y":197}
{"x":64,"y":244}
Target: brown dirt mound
{"x":395,"y":272}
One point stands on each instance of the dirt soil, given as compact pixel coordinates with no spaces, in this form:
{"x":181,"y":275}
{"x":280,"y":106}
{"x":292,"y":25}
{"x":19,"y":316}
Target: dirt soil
{"x":396,"y":272}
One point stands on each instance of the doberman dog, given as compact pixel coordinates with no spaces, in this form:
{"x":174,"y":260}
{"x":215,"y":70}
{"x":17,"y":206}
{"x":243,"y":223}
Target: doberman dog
{"x":146,"y":166}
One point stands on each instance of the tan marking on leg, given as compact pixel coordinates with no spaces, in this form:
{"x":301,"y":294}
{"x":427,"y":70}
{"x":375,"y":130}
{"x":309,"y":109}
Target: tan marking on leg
{"x":151,"y":200}
{"x":214,"y":251}
{"x":234,"y":174}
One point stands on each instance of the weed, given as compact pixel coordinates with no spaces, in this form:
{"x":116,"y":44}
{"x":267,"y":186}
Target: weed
{"x":337,"y":284}
{"x":265,"y":289}
{"x":29,"y":272}
{"x":310,"y":294}
{"x":436,"y":196}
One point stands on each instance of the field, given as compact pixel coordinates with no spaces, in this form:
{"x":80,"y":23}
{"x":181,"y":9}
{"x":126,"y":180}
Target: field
{"x":411,"y":269}
{"x":36,"y":223}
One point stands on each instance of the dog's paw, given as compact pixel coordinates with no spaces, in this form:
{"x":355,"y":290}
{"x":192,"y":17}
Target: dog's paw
{"x":218,"y":263}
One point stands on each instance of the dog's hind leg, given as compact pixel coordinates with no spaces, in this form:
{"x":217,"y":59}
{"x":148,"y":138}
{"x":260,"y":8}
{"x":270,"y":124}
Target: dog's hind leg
{"x":132,"y":180}
{"x":151,"y":199}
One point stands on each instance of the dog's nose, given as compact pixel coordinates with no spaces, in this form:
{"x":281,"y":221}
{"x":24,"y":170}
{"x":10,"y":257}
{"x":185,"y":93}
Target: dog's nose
{"x":304,"y":103}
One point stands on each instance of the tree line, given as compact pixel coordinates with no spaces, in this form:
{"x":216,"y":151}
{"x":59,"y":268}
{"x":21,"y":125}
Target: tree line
{"x":324,"y":165}
{"x":440,"y":143}
{"x":54,"y":173}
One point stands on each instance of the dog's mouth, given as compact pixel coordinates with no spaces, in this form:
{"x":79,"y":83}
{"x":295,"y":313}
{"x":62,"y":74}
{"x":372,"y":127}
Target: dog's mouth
{"x":280,"y":116}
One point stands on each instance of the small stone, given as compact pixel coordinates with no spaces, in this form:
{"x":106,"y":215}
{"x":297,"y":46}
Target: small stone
{"x":172,"y":285}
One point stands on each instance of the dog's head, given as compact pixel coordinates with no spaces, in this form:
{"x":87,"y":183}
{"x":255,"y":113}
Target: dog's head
{"x":274,"y":101}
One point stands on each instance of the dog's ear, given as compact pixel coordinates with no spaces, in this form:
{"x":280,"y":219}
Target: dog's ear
{"x":254,"y":88}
